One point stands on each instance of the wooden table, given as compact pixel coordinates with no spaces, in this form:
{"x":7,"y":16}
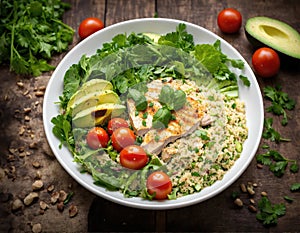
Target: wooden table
{"x":26,"y":156}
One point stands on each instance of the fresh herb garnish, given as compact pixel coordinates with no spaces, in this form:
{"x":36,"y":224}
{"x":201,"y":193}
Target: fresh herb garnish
{"x":276,"y":162}
{"x":161,"y":118}
{"x":269,"y":213}
{"x":31,"y":32}
{"x":271,"y":133}
{"x":295,"y":187}
{"x":288,"y":199}
{"x":170,"y":100}
{"x":139,"y":99}
{"x":280,"y":102}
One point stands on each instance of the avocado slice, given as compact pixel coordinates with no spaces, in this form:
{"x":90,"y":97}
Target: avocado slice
{"x":265,"y":31}
{"x":93,"y":99}
{"x":91,"y":86}
{"x":155,"y":37}
{"x":97,"y":115}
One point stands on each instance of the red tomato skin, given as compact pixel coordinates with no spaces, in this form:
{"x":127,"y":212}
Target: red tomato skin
{"x":122,"y":137}
{"x":89,"y":26}
{"x":229,"y":20}
{"x":97,"y":138}
{"x":133,"y":157}
{"x":266,"y":62}
{"x":159,"y":183}
{"x":116,"y":123}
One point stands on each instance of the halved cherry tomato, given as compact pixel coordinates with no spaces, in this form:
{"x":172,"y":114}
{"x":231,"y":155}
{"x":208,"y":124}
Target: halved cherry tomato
{"x":89,"y":26}
{"x":116,"y":123}
{"x":266,"y":62}
{"x":122,"y":137}
{"x":229,"y":20}
{"x":159,"y":183}
{"x":133,"y":157}
{"x":97,"y":138}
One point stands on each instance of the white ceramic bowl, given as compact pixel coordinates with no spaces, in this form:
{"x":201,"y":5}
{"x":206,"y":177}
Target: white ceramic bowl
{"x":251,"y":96}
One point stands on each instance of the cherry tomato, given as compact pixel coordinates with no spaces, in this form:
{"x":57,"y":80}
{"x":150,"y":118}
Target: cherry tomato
{"x":122,"y":137}
{"x":229,"y":20}
{"x":266,"y":62}
{"x":116,"y":123}
{"x":89,"y":26}
{"x":97,"y":138}
{"x":159,"y":183}
{"x":133,"y":157}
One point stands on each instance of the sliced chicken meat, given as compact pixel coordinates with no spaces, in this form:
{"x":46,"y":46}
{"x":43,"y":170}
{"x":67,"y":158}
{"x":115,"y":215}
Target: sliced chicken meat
{"x":187,"y":119}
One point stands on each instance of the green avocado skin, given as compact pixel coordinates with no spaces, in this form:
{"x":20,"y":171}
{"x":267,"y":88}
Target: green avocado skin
{"x":257,"y":43}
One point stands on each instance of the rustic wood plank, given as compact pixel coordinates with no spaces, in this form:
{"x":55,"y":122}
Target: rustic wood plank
{"x":217,"y":214}
{"x":117,"y":11}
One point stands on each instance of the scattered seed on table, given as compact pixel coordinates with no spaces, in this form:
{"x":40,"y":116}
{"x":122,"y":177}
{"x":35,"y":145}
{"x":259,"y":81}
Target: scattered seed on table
{"x":62,"y":196}
{"x":17,"y":204}
{"x":238,"y":202}
{"x":264,"y":194}
{"x":43,"y":205}
{"x":30,"y":198}
{"x":73,"y":211}
{"x":54,"y":197}
{"x":39,"y":93}
{"x":36,"y":164}
{"x":60,"y":206}
{"x":37,"y":185}
{"x":36,"y":228}
{"x":243,"y":188}
{"x":260,"y":166}
{"x":50,"y":188}
{"x":252,"y":208}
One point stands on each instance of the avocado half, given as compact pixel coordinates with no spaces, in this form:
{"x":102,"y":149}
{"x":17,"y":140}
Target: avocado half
{"x":265,"y":31}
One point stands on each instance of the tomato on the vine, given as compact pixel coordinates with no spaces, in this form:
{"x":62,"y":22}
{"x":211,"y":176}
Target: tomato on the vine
{"x":122,"y":137}
{"x":266,"y":62}
{"x":159,"y":183}
{"x":89,"y":26}
{"x":229,"y":20}
{"x":97,"y":138}
{"x":133,"y":157}
{"x":116,"y":123}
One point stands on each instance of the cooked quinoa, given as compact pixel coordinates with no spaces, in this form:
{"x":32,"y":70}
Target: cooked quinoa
{"x":203,"y":157}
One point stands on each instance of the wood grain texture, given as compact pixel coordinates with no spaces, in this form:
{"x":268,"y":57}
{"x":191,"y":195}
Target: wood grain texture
{"x":218,"y":214}
{"x":121,"y":10}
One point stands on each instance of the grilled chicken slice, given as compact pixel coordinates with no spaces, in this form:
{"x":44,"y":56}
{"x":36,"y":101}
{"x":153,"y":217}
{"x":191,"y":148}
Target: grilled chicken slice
{"x":187,"y":119}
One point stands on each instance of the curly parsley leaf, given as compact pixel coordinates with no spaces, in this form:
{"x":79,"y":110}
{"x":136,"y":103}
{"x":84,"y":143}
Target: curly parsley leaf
{"x":32,"y":31}
{"x":179,"y":39}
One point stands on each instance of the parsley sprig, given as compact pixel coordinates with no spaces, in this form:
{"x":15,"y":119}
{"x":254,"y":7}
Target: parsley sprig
{"x":31,"y":32}
{"x":280,"y":102}
{"x":269,"y":213}
{"x":271,"y":133}
{"x":277,"y":163}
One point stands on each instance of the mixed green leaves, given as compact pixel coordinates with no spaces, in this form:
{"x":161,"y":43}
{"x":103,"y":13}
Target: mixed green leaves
{"x":131,"y":59}
{"x":31,"y":32}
